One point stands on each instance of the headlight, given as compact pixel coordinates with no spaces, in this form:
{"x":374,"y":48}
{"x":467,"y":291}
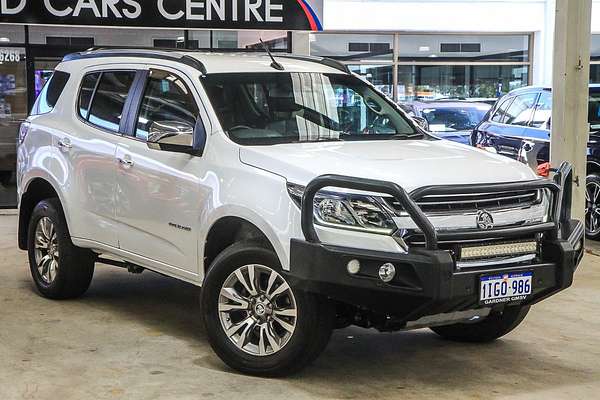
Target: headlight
{"x":348,"y":211}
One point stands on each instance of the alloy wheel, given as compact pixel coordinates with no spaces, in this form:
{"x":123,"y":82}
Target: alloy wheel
{"x":257,"y":310}
{"x":46,"y":250}
{"x":592,"y":208}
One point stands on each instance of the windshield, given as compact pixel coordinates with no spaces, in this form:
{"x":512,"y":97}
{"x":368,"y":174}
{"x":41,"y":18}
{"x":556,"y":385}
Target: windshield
{"x":448,"y":119}
{"x":280,"y":107}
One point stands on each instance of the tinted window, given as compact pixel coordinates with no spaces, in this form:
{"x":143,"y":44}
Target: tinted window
{"x":521,"y":109}
{"x":500,"y":113}
{"x":594,"y":108}
{"x":166,"y":99}
{"x":543,"y":110}
{"x":51,"y":93}
{"x":450,"y":119}
{"x":109,"y":100}
{"x":88,"y":84}
{"x":270,"y":108}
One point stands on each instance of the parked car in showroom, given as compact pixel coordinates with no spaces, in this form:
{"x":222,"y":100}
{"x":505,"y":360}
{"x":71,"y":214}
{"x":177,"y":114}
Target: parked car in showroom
{"x":299,"y":197}
{"x":519,"y":127}
{"x":449,"y":119}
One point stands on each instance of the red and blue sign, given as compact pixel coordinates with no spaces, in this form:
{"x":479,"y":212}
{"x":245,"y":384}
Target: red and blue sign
{"x":311,"y":15}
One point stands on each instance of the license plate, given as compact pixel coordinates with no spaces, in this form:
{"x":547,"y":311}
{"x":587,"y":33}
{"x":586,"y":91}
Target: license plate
{"x":505,"y":288}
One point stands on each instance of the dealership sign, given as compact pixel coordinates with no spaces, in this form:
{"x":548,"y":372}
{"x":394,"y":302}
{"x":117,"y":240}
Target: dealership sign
{"x":213,"y":14}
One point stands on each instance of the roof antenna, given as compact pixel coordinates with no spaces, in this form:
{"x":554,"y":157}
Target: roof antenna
{"x":274,"y":64}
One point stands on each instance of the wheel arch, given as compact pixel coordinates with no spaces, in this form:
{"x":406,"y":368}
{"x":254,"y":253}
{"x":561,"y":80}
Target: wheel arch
{"x":35,"y":190}
{"x":228,"y":230}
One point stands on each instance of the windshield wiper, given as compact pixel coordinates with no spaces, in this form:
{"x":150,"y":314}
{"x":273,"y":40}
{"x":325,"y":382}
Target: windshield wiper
{"x":402,"y":136}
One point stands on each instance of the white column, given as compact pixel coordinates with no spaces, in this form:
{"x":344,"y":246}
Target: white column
{"x":571,"y":68}
{"x":301,"y":43}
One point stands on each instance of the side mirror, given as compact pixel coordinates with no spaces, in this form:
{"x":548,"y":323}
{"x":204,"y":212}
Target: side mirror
{"x":422,"y":122}
{"x":175,"y":136}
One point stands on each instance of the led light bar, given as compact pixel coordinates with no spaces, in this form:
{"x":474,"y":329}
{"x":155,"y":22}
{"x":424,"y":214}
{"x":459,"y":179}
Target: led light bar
{"x":499,"y":250}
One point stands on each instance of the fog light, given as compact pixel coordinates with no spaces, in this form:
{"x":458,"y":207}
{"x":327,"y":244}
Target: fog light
{"x":387,"y":272}
{"x":353,"y":267}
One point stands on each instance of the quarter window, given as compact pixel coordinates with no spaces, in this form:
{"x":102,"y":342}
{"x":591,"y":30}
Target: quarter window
{"x":51,"y":93}
{"x":519,"y":112}
{"x":166,"y":99}
{"x":106,"y":110}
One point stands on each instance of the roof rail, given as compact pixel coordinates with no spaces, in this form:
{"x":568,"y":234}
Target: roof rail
{"x":161,"y":54}
{"x":321,"y":60}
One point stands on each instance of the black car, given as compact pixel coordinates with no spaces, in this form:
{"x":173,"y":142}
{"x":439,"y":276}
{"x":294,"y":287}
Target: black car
{"x":518,"y":126}
{"x":449,"y":119}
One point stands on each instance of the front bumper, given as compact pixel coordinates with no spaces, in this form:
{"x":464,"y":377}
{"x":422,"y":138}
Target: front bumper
{"x":428,"y":280}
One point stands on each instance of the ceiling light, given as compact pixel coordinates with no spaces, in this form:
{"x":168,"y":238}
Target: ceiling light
{"x":424,"y":48}
{"x":4,"y":40}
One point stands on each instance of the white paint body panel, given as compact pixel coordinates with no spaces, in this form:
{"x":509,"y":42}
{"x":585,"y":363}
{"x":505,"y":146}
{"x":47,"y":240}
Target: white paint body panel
{"x":126,"y":212}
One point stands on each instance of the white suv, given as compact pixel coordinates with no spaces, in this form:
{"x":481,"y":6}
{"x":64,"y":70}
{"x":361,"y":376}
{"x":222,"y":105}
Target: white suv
{"x":296,"y":194}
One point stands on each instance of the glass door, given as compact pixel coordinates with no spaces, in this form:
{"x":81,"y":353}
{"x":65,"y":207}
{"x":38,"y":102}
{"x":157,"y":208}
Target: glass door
{"x":13,"y":111}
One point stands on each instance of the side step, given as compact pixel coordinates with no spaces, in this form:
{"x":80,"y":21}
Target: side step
{"x":132,"y":268}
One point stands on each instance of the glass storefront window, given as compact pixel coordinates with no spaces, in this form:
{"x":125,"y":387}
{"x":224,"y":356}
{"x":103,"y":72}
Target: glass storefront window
{"x":595,"y":73}
{"x":352,"y":47}
{"x":249,"y":40}
{"x":199,"y":40}
{"x":595,"y":59}
{"x":475,"y":48}
{"x":71,"y":36}
{"x":13,"y":110}
{"x":10,"y":34}
{"x":430,"y":82}
{"x":382,"y":76}
{"x":434,"y":66}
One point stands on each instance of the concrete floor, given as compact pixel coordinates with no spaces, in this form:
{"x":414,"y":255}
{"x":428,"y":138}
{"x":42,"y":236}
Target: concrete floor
{"x":139,"y":337}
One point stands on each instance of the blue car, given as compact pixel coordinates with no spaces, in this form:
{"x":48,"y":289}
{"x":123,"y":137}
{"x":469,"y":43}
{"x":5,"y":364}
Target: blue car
{"x":518,"y":126}
{"x":449,"y":119}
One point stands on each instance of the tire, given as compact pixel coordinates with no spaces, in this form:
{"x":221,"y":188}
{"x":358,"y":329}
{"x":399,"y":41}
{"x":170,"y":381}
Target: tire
{"x":313,"y":322}
{"x":592,"y":207}
{"x":493,"y":327}
{"x":68,"y":270}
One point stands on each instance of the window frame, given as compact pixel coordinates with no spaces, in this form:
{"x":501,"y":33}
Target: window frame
{"x":544,"y":126}
{"x":136,"y":105}
{"x":126,"y":106}
{"x":532,"y":110}
{"x":509,"y":99}
{"x":43,"y":97}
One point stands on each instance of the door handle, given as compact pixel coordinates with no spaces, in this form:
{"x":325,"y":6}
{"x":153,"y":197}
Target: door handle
{"x":126,"y":161}
{"x":65,"y":144}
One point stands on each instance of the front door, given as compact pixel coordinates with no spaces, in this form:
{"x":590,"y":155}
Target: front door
{"x":159,"y":196}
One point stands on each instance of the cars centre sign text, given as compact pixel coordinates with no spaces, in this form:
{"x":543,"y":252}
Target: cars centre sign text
{"x":213,"y":14}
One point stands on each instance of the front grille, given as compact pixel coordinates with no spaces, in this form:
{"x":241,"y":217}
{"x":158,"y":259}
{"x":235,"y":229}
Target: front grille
{"x":460,"y":203}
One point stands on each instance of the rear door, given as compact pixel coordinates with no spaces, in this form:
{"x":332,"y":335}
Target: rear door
{"x":89,"y":152}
